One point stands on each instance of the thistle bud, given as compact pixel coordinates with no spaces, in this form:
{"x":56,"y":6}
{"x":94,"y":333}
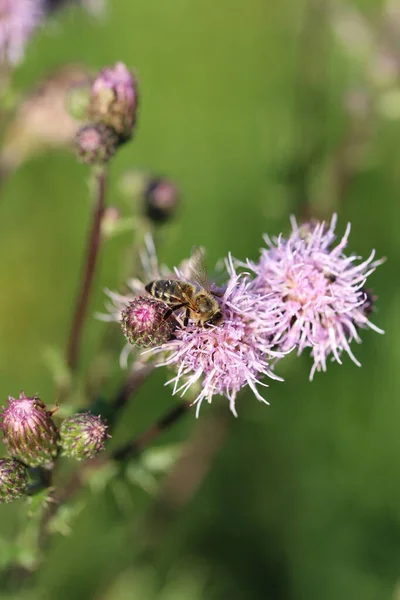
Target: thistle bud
{"x":82,"y":436}
{"x":114,"y":100}
{"x":144,"y":324}
{"x":13,"y":480}
{"x":160,"y":200}
{"x":95,"y":144}
{"x":29,"y":432}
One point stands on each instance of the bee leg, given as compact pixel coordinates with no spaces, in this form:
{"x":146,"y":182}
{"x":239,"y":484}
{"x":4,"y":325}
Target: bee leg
{"x":186,"y":319}
{"x":168,"y":314}
{"x":171,"y":310}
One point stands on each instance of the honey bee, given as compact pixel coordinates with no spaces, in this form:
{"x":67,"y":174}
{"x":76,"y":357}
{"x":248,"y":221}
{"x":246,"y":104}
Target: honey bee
{"x":194,"y":296}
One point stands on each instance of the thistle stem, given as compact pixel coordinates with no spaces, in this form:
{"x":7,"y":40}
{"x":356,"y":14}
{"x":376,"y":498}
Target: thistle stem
{"x":160,"y":426}
{"x":139,"y":373}
{"x":92,"y":252}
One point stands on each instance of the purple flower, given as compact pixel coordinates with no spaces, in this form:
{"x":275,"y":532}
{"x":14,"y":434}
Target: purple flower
{"x":318,"y":290}
{"x":222,"y":359}
{"x":18,"y":20}
{"x":216,"y":360}
{"x":114,"y":100}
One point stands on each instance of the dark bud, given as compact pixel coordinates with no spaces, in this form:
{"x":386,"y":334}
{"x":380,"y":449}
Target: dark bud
{"x":161,"y":199}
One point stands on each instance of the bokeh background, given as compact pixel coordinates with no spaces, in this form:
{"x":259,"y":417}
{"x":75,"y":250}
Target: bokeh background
{"x":257,"y":110}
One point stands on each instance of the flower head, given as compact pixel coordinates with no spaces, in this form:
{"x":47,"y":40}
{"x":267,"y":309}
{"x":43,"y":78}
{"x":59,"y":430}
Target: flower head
{"x":214,"y":360}
{"x":144,"y":324}
{"x":318,"y":290}
{"x":29,"y":432}
{"x":222,"y":359}
{"x":95,"y":144}
{"x":18,"y":20}
{"x":13,"y":480}
{"x":114,"y":100}
{"x":82,"y":436}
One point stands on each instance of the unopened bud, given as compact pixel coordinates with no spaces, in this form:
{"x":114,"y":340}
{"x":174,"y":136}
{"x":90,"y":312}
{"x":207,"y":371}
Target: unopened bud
{"x":82,"y":436}
{"x":29,"y":432}
{"x":114,"y":100}
{"x":160,"y":200}
{"x":95,"y":144}
{"x":144,"y":324}
{"x":13,"y":480}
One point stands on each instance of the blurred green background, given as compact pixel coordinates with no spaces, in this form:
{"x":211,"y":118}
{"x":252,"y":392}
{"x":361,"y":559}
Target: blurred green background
{"x":257,"y":110}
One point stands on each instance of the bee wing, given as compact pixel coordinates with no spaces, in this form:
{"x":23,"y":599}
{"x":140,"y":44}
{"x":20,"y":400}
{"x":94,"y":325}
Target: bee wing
{"x":197,"y":268}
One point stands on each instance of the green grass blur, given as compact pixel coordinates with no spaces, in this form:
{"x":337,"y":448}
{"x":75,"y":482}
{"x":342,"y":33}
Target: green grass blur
{"x":244,"y":105}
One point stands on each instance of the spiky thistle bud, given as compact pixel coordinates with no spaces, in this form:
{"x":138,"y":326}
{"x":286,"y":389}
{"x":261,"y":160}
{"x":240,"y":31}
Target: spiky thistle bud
{"x":95,"y":144}
{"x":13,"y":480}
{"x":144,"y":324}
{"x":114,"y":100}
{"x":29,"y":432}
{"x":161,"y":198}
{"x":82,"y":436}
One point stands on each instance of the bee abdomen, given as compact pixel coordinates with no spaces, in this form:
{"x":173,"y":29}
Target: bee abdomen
{"x":160,"y":289}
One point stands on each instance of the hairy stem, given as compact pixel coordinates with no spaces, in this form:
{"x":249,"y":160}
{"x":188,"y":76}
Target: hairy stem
{"x":92,"y":252}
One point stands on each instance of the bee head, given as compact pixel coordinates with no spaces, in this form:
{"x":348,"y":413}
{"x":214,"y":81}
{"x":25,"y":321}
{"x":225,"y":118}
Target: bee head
{"x":216,"y":318}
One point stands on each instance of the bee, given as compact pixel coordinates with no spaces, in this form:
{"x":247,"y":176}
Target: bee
{"x":194,"y":296}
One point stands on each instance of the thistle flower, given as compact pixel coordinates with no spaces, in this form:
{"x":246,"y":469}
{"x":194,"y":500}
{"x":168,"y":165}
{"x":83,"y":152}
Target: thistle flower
{"x":217,"y":360}
{"x":95,"y":144}
{"x":13,"y":480}
{"x":29,"y":432}
{"x":143,"y":323}
{"x":222,"y":359}
{"x":114,"y":100}
{"x":18,"y":20}
{"x":318,"y":291}
{"x":82,"y":436}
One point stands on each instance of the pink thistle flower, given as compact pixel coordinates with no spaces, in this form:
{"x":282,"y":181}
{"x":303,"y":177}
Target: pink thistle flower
{"x":215,"y":360}
{"x":318,"y":290}
{"x":114,"y":100}
{"x":222,"y":359}
{"x":18,"y":20}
